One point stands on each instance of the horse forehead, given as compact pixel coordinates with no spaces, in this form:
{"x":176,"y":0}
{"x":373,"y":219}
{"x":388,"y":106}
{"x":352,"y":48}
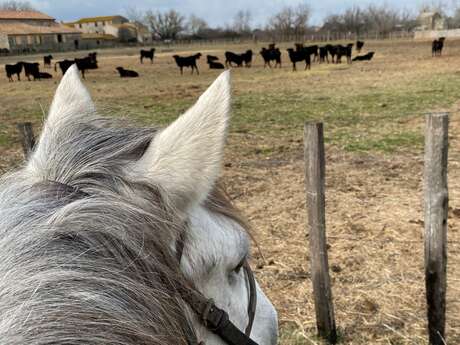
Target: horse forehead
{"x":217,"y":234}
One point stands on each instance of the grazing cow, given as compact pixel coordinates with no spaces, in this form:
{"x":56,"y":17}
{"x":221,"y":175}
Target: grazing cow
{"x":148,"y":54}
{"x":299,"y":55}
{"x":437,"y":46}
{"x":366,"y":57}
{"x":85,"y":64}
{"x":344,"y":51}
{"x":231,"y":58}
{"x":247,"y":58}
{"x":332,"y":50}
{"x":47,"y":60}
{"x":64,"y":65}
{"x":12,"y":70}
{"x":323,"y":55}
{"x":271,"y":54}
{"x":359,"y":46}
{"x":126,"y":73}
{"x":32,"y":69}
{"x":44,"y":75}
{"x":187,"y":61}
{"x":312,"y":50}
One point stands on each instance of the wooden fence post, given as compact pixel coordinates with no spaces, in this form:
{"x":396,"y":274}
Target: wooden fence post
{"x":315,"y":186}
{"x":436,"y":212}
{"x":27,"y":137}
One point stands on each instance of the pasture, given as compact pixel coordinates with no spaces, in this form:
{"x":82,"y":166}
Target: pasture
{"x":374,"y":119}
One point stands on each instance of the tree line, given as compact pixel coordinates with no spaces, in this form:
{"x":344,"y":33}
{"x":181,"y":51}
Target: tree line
{"x":290,"y":21}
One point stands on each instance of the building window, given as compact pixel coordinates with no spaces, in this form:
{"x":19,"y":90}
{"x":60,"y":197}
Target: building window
{"x":38,"y":39}
{"x":59,"y":38}
{"x":95,"y":24}
{"x":81,"y":26}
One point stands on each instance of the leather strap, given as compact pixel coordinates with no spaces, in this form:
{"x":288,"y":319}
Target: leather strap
{"x":217,"y":320}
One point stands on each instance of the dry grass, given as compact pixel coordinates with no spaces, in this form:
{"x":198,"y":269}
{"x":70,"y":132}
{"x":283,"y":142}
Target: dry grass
{"x":373,"y":114}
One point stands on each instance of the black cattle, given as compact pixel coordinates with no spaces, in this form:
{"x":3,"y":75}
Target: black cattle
{"x":247,"y":57}
{"x":359,"y":46}
{"x":85,"y":64}
{"x":44,"y":75}
{"x":344,"y":51}
{"x":210,"y":58}
{"x":332,"y":50}
{"x":147,"y":54}
{"x":47,"y":60}
{"x":126,"y":73}
{"x":64,"y":65}
{"x":437,"y":46}
{"x":271,"y":54}
{"x":299,"y":55}
{"x":187,"y":61}
{"x":215,"y":65}
{"x":93,"y":57}
{"x":12,"y":70}
{"x":323,"y":54}
{"x":313,"y":50}
{"x":366,"y":57}
{"x":32,"y":69}
{"x":231,"y":58}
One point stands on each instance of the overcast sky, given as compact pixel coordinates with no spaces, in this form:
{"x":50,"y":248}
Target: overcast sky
{"x":215,"y":12}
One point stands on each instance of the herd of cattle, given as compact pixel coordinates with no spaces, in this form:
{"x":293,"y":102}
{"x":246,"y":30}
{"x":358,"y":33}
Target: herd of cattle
{"x":305,"y":54}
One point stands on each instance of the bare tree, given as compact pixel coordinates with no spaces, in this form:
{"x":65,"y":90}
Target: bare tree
{"x":291,"y":21}
{"x":13,"y":5}
{"x":167,"y":25}
{"x":196,"y":25}
{"x":242,"y":22}
{"x":134,"y":14}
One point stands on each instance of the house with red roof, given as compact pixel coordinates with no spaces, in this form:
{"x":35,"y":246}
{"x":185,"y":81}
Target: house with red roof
{"x":33,"y":31}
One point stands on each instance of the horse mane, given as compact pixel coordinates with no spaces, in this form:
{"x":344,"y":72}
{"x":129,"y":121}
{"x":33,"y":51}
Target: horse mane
{"x":85,"y":252}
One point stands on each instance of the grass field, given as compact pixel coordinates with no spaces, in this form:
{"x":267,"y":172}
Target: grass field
{"x":374,"y":119}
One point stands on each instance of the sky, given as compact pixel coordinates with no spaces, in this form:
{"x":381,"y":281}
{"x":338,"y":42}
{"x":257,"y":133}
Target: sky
{"x":215,"y":12}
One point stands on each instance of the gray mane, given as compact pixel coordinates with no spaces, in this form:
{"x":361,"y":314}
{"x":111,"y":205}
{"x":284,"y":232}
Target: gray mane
{"x":85,"y":253}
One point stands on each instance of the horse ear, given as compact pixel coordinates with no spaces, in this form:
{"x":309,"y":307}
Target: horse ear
{"x":72,"y":100}
{"x":71,"y":103}
{"x":185,"y":158}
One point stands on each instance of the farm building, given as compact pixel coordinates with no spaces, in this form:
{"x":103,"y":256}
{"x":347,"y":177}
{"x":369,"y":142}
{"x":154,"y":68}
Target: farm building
{"x":431,"y":21}
{"x":32,"y":31}
{"x":116,"y":26}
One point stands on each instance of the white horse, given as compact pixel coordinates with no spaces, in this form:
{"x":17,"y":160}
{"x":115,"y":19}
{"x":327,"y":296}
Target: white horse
{"x":113,"y":235}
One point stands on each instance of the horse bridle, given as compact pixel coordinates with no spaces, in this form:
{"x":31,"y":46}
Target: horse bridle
{"x":212,"y":317}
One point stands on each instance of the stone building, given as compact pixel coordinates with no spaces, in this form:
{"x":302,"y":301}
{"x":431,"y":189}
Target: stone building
{"x":431,"y":21}
{"x":32,"y":31}
{"x":115,"y":26}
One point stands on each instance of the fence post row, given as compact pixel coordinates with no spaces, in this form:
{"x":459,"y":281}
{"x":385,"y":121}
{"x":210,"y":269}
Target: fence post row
{"x":27,"y":137}
{"x":436,"y":213}
{"x":315,"y":186}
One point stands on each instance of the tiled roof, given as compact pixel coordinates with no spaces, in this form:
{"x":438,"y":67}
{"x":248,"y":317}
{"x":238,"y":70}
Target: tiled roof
{"x":26,"y":29}
{"x":96,"y":19}
{"x":24,"y":15}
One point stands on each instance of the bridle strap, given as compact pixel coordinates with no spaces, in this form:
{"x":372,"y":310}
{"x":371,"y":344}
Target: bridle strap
{"x":217,"y":320}
{"x":252,"y":304}
{"x":213,"y":318}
